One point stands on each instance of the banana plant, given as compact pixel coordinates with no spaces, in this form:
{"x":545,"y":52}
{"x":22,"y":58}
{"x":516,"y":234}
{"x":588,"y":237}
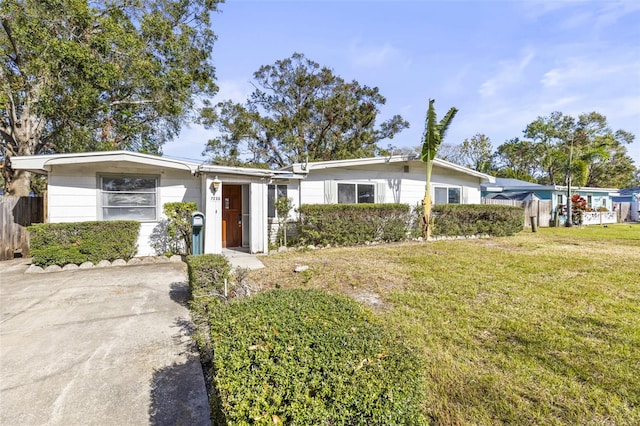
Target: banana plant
{"x":434,"y":133}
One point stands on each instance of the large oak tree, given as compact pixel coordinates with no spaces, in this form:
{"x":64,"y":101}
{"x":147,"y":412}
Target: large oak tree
{"x":78,"y":75}
{"x":299,"y":111}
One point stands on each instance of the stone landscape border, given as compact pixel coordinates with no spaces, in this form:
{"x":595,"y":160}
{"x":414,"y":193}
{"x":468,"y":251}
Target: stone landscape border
{"x":35,"y":269}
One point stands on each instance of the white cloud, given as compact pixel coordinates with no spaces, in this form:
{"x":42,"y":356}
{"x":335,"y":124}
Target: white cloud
{"x":611,"y":12}
{"x":594,"y":15}
{"x":371,"y":56}
{"x":585,"y":71}
{"x":509,"y":73}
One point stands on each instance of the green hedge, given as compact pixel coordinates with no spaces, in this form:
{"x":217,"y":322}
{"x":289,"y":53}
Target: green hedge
{"x":303,"y":357}
{"x":207,"y":273}
{"x":350,"y":224}
{"x":78,"y":242}
{"x":477,"y":219}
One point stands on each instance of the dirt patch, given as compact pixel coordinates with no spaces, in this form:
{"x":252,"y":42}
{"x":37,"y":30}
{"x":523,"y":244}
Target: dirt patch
{"x":370,"y":299}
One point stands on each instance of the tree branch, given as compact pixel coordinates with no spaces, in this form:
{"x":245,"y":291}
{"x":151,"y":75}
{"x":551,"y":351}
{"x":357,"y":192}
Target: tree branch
{"x":7,"y":30}
{"x":141,"y":102}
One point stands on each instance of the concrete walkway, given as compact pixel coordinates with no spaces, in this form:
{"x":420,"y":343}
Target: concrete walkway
{"x":105,"y":346}
{"x":242,"y":259}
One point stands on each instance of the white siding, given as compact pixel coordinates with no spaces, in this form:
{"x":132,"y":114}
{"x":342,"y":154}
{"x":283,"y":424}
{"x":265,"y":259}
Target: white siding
{"x":72,"y":197}
{"x":258,"y":218}
{"x":73,"y":193}
{"x":293,"y":192}
{"x":400,"y":185}
{"x":312,"y":191}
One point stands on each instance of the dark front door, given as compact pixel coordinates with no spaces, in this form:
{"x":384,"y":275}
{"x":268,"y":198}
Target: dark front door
{"x":231,"y":215}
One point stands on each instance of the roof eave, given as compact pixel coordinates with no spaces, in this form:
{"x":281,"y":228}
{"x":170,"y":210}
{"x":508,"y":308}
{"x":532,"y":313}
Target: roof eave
{"x":390,"y":159}
{"x":43,"y":163}
{"x":207,"y":168}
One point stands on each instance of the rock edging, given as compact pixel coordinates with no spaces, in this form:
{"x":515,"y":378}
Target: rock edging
{"x":35,"y":269}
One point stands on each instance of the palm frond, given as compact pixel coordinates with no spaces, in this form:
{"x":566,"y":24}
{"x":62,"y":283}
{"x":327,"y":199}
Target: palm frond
{"x":431,"y":137}
{"x":446,"y":121}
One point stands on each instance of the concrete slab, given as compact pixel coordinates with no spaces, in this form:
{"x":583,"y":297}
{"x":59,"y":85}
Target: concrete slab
{"x":242,"y":259}
{"x":102,"y":346}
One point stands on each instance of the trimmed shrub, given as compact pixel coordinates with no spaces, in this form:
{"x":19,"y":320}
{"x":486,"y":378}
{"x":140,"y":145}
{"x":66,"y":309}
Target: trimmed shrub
{"x":78,"y":242}
{"x":207,"y":273}
{"x":304,"y":357}
{"x":477,"y":219}
{"x":350,"y":224}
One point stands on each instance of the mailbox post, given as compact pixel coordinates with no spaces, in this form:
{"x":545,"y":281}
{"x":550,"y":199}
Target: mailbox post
{"x":197,"y":232}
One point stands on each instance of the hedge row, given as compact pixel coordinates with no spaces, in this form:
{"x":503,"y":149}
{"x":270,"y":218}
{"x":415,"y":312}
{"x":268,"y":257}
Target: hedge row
{"x":350,"y":224}
{"x":207,"y":274}
{"x":304,"y":357}
{"x":79,"y":242}
{"x":477,"y":219}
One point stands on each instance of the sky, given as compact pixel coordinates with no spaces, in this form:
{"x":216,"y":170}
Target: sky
{"x":501,"y":63}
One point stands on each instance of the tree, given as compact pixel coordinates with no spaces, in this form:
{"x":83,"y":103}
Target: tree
{"x":560,"y":148}
{"x":112,"y":74}
{"x":299,"y":111}
{"x":517,"y":159}
{"x":451,"y":153}
{"x":283,"y":208}
{"x":434,"y":133}
{"x":476,"y":153}
{"x":596,"y":152}
{"x":616,"y":171}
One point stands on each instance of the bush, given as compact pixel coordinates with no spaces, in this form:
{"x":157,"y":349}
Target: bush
{"x":78,"y":242}
{"x":179,"y":227}
{"x":307,"y":357}
{"x":350,"y":224}
{"x":477,"y":219}
{"x":207,"y":273}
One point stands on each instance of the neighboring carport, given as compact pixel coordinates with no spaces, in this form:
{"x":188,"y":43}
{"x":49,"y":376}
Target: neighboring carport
{"x":107,"y":346}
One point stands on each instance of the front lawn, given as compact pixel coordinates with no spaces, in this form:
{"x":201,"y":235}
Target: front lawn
{"x":538,"y":328}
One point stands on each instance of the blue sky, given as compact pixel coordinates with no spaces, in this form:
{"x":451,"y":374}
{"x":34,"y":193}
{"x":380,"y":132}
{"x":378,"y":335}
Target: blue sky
{"x":501,"y":63}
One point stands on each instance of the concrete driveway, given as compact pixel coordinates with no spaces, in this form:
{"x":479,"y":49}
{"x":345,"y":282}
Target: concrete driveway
{"x":108,"y":346}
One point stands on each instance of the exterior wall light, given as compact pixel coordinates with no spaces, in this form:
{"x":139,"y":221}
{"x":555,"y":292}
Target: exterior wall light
{"x":215,"y":185}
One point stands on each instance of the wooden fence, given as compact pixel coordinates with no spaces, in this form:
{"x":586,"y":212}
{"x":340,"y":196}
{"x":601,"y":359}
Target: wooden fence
{"x":624,"y":212}
{"x":16,"y":213}
{"x":540,"y":209}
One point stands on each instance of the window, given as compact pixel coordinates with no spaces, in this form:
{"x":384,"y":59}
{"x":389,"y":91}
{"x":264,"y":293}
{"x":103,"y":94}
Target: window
{"x":128,"y":197}
{"x":273,"y":193}
{"x":352,"y":193}
{"x":560,"y":199}
{"x":589,"y":201}
{"x":444,"y":195}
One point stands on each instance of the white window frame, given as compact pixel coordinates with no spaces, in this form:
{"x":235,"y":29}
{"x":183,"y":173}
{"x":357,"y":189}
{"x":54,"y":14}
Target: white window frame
{"x":372,"y":184}
{"x":448,"y":188}
{"x":101,"y":192}
{"x":271,"y":201}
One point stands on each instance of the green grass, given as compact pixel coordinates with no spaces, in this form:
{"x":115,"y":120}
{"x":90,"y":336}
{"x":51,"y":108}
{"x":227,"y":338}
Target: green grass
{"x":538,"y":328}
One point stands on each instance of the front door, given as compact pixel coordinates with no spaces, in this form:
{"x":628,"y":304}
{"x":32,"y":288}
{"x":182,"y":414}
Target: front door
{"x":231,"y":216}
